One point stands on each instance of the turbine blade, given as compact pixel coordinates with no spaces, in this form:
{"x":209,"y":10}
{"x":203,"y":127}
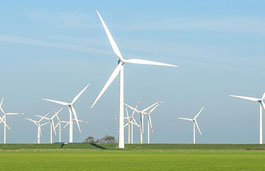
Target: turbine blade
{"x":186,"y":119}
{"x":2,"y":110}
{"x":146,"y":62}
{"x":127,"y":114}
{"x":56,"y":101}
{"x":112,"y":77}
{"x":153,"y":108}
{"x":79,"y":94}
{"x":44,"y":124}
{"x":14,"y":113}
{"x":44,"y":117}
{"x":246,"y":98}
{"x":198,"y":113}
{"x":2,"y":100}
{"x":5,"y":124}
{"x":135,"y":109}
{"x":77,"y":122}
{"x":132,"y":108}
{"x":150,"y":122}
{"x":150,"y":107}
{"x":53,"y":127}
{"x":196,"y":123}
{"x":57,"y":125}
{"x":126,"y":124}
{"x":263,"y":97}
{"x":111,"y":40}
{"x":35,"y":122}
{"x":66,"y":125}
{"x":56,"y":114}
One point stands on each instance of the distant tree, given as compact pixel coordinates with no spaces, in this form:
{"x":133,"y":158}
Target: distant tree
{"x":89,"y":140}
{"x":106,"y":140}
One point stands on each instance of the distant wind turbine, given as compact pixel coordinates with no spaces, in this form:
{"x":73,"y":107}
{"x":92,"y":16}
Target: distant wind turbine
{"x":142,"y":113}
{"x":194,"y":121}
{"x":261,"y":105}
{"x":71,"y":111}
{"x":39,"y":125}
{"x":52,"y":126}
{"x":4,"y":118}
{"x":130,"y":123}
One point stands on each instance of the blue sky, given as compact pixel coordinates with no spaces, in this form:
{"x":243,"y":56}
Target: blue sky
{"x":53,"y":49}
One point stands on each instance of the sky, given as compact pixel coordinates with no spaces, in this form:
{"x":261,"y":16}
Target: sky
{"x":53,"y":49}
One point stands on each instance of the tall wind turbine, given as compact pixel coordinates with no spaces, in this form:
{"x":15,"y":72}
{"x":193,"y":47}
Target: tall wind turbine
{"x":52,"y":126}
{"x":39,"y":125}
{"x":194,"y":121}
{"x":71,"y":111}
{"x":142,"y":113}
{"x":4,"y":118}
{"x":261,"y":104}
{"x":119,"y":69}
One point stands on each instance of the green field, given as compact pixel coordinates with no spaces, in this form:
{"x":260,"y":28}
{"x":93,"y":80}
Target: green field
{"x":134,"y":157}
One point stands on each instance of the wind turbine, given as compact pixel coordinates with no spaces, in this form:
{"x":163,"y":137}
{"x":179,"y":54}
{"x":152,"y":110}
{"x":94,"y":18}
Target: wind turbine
{"x":119,"y":70}
{"x":149,"y":123}
{"x":142,"y":113}
{"x":71,"y":111}
{"x":4,"y":118}
{"x":59,"y":125}
{"x":130,"y":123}
{"x":194,"y":121}
{"x":52,"y":127}
{"x":39,"y":125}
{"x":261,"y":102}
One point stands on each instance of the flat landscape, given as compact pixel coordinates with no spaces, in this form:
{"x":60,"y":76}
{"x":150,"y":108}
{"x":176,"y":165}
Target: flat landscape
{"x":134,"y":157}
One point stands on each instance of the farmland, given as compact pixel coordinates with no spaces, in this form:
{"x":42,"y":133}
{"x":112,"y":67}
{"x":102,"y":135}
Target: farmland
{"x":134,"y":157}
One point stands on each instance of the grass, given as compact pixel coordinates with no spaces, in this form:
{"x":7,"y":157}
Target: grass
{"x":134,"y":157}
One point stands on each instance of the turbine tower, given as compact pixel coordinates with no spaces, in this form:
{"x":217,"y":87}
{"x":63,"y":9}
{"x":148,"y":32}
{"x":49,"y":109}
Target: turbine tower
{"x":261,"y":105}
{"x":119,"y":70}
{"x":4,"y":118}
{"x":142,"y":113}
{"x":52,"y":127}
{"x":194,"y":121}
{"x":71,"y":111}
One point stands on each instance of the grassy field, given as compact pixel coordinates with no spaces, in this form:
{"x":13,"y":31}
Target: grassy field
{"x":134,"y":157}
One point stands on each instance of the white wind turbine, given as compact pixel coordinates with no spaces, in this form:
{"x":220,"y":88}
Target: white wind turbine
{"x":261,"y":103}
{"x":142,"y":113}
{"x":3,"y":121}
{"x":149,"y":123}
{"x":71,"y":111}
{"x":130,"y":123}
{"x":39,"y":125}
{"x":194,"y":121}
{"x":119,"y":69}
{"x":59,"y":125}
{"x":4,"y":118}
{"x":52,"y":126}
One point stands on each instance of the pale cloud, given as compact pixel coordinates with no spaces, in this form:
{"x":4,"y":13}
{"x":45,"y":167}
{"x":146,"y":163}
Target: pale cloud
{"x":28,"y":41}
{"x":217,"y":24}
